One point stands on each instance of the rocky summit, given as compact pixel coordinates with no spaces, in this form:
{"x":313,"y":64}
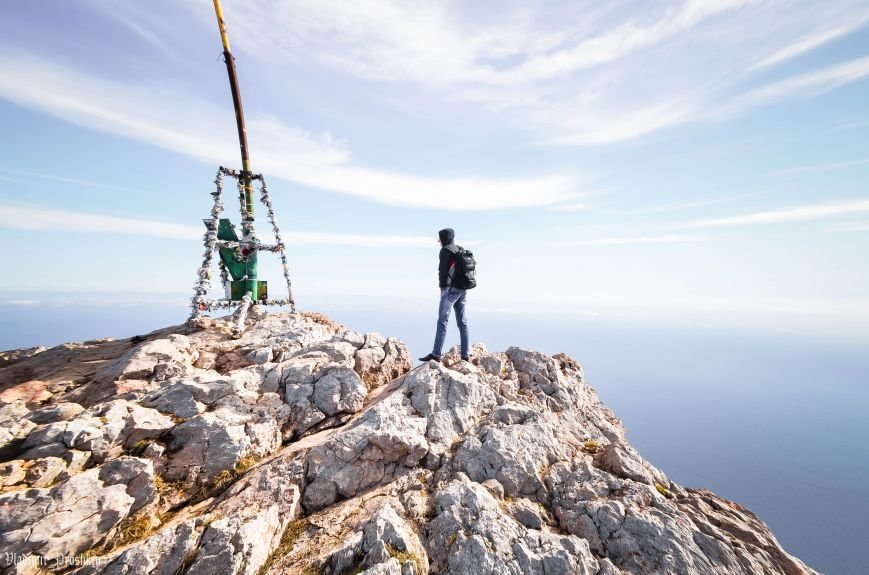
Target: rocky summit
{"x":303,"y":447}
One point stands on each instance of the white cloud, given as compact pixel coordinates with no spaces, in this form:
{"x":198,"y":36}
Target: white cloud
{"x":187,"y":125}
{"x":848,"y":126}
{"x":675,"y":207}
{"x":820,"y":167}
{"x":619,"y":41}
{"x":67,"y":180}
{"x":607,"y":126}
{"x":366,"y":241}
{"x":25,"y":218}
{"x":805,"y":85}
{"x":634,"y":240}
{"x":794,"y":214}
{"x":430,"y":44}
{"x":133,"y":23}
{"x":577,"y":207}
{"x":852,"y":227}
{"x":31,"y":218}
{"x":812,"y":41}
{"x":575,"y":73}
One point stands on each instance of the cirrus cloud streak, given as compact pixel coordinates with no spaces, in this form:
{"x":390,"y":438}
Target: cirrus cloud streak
{"x":785,"y":215}
{"x":186,"y":124}
{"x":46,"y":219}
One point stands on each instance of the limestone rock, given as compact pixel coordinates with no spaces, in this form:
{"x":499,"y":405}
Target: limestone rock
{"x":381,"y":360}
{"x":42,"y":472}
{"x":164,"y":553}
{"x":12,"y":472}
{"x":387,"y":528}
{"x":369,"y":359}
{"x":63,"y":411}
{"x":178,"y":399}
{"x":136,"y":474}
{"x":7,"y":358}
{"x":204,"y":446}
{"x":370,"y":450}
{"x":451,"y":403}
{"x":67,"y":519}
{"x":76,"y":462}
{"x":14,"y":427}
{"x":261,"y":356}
{"x":471,"y":534}
{"x":232,"y":545}
{"x":339,"y":389}
{"x":513,"y":455}
{"x":304,"y":447}
{"x":624,"y":461}
{"x":158,"y":359}
{"x":530,"y":514}
{"x":205,"y":360}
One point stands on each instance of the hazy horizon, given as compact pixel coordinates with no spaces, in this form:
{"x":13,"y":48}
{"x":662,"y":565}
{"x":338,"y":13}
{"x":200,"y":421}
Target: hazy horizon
{"x":174,"y":308}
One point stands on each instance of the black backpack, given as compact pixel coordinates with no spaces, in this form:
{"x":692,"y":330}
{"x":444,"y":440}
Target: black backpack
{"x":465,"y":272}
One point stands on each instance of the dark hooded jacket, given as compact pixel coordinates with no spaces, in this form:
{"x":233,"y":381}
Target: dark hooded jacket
{"x":447,"y":257}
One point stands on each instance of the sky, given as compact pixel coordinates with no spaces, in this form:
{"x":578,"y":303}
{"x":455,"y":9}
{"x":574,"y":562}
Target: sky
{"x":680,"y":158}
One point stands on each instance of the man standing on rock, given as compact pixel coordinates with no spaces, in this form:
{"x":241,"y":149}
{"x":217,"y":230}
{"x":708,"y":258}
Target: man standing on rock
{"x":451,"y":296}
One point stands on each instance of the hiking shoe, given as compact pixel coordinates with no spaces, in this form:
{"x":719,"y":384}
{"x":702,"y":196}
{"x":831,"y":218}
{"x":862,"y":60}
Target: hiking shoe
{"x":430,"y":357}
{"x":466,"y":358}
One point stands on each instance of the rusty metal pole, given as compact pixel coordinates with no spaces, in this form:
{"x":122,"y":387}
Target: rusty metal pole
{"x":239,"y":115}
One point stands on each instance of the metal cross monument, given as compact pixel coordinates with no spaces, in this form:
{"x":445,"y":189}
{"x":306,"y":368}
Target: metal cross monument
{"x":237,"y":255}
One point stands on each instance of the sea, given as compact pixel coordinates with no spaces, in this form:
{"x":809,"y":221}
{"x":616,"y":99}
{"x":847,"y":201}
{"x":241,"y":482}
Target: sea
{"x":773,"y":419}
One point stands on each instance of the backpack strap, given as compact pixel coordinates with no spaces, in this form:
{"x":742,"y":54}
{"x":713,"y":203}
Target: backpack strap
{"x":451,"y":270}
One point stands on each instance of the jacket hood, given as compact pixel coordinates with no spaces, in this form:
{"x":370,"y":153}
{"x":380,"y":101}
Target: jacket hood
{"x":446,"y":235}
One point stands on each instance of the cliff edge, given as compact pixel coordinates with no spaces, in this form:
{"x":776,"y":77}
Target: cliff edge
{"x":307,"y":448}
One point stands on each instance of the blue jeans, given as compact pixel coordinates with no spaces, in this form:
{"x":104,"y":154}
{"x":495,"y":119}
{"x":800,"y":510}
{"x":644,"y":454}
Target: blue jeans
{"x":451,"y":297}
